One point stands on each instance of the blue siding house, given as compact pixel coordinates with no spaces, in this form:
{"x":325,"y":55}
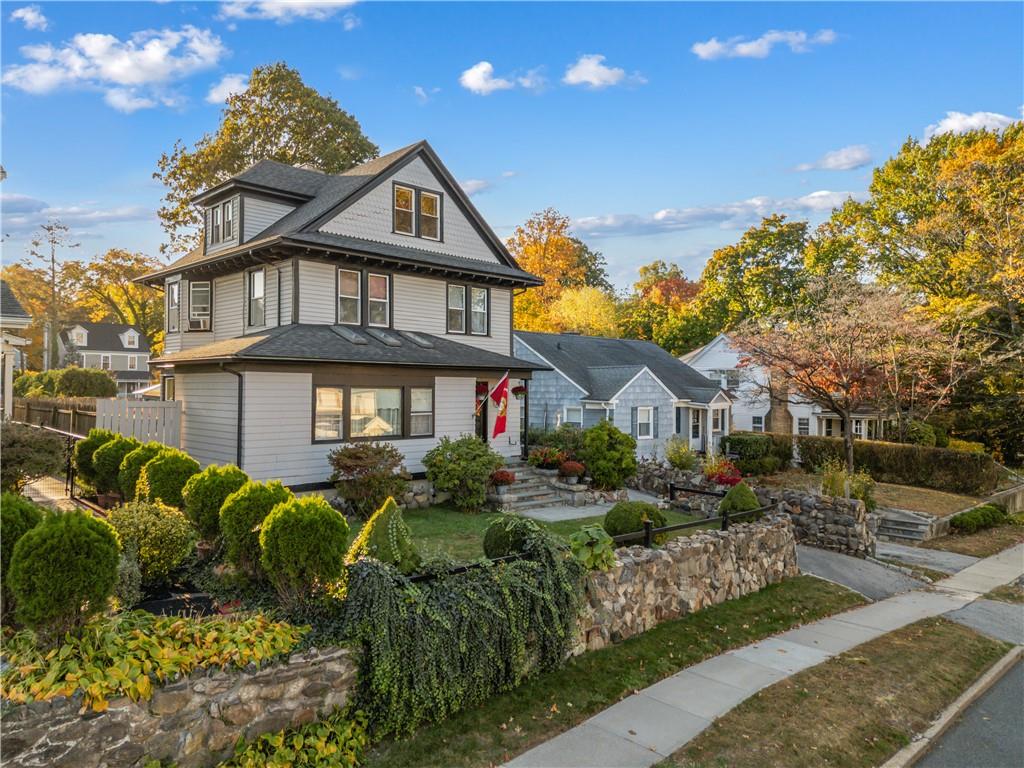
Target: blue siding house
{"x":637,"y":385}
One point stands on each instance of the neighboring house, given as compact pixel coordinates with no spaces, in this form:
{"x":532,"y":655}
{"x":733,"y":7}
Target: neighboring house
{"x":322,"y":309}
{"x":13,"y":317}
{"x":636,"y":385}
{"x":115,"y":347}
{"x":754,"y":410}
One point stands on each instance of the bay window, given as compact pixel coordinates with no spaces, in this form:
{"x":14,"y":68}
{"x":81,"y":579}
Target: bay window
{"x":376,"y":412}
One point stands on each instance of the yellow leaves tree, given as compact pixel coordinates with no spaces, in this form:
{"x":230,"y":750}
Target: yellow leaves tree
{"x":587,"y":310}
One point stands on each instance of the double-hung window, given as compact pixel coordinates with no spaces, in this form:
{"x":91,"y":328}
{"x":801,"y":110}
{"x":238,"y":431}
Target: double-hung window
{"x":173,"y":306}
{"x":349,"y":297}
{"x":644,"y":422}
{"x":200,"y":305}
{"x":229,"y":220}
{"x":478,"y":311}
{"x":716,"y":420}
{"x":430,"y":216}
{"x":131,"y":340}
{"x":257,"y":297}
{"x":416,"y":212}
{"x":329,"y":414}
{"x":378,"y":300}
{"x":421,"y":412}
{"x":574,"y":416}
{"x":133,"y":362}
{"x":105,"y":362}
{"x":405,"y":210}
{"x":456,"y":309}
{"x":376,"y":412}
{"x":803,"y":425}
{"x":215,"y":225}
{"x":757,"y":423}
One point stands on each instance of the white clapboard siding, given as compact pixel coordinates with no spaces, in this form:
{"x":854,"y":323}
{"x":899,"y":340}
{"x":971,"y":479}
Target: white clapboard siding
{"x":159,"y":421}
{"x":317,"y":292}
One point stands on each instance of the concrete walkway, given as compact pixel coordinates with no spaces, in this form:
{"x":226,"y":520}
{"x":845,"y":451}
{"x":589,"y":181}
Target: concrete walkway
{"x":935,"y":559}
{"x":557,"y":514}
{"x":650,"y":725}
{"x":874,"y":581}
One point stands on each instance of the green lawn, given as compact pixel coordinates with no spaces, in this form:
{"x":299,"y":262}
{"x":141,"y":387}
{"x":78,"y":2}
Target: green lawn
{"x":445,"y":531}
{"x":548,"y":704}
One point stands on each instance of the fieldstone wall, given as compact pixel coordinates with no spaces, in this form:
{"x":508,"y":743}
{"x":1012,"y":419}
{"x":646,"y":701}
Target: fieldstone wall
{"x":192,"y":722}
{"x":649,"y":586}
{"x":828,"y":522}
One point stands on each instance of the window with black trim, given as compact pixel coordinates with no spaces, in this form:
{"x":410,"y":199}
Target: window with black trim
{"x":376,"y":412}
{"x":478,"y":311}
{"x":173,"y":306}
{"x":167,"y":385}
{"x":757,"y":423}
{"x":456,"y":309}
{"x":416,"y":212}
{"x":421,"y":412}
{"x":350,"y":297}
{"x":257,"y":289}
{"x":229,"y":219}
{"x":200,"y":305}
{"x":430,"y":216}
{"x":405,"y":210}
{"x":378,"y":300}
{"x":803,"y":425}
{"x":329,"y":413}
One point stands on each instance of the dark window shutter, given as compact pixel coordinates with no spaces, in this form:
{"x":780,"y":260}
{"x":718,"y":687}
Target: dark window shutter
{"x":655,"y":432}
{"x":632,"y":421}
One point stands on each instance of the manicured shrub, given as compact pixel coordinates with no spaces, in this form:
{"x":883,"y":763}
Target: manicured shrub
{"x":131,"y":468}
{"x":106,"y":462}
{"x":921,"y":433}
{"x":593,"y":548}
{"x":84,"y":450}
{"x":241,"y":516}
{"x":679,"y":455}
{"x":204,"y":495}
{"x":18,"y":516}
{"x":629,"y":516}
{"x":28,"y":454}
{"x":978,"y":519}
{"x":164,"y":476}
{"x":62,"y":572}
{"x":815,"y":452}
{"x":302,"y":545}
{"x":967,"y":446}
{"x":507,"y":535}
{"x":754,"y":453}
{"x":366,"y":474}
{"x":739,"y":499}
{"x":160,"y":534}
{"x":546,"y":457}
{"x":84,"y":382}
{"x":609,"y":455}
{"x":462,"y":468}
{"x":386,"y":537}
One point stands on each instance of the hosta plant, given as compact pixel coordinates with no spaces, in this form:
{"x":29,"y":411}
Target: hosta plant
{"x":593,"y":547}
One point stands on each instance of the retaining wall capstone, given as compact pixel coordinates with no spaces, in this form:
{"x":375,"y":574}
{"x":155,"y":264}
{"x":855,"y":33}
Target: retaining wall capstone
{"x":192,"y":722}
{"x":649,"y":586}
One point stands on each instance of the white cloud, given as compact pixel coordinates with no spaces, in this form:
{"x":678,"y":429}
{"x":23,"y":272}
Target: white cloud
{"x":759,"y":48}
{"x":350,"y":21}
{"x":475,"y":186}
{"x":31,"y":16}
{"x":533,"y":80}
{"x":423,"y":95}
{"x":285,"y":11}
{"x":228,"y":85}
{"x":733,"y":215}
{"x":591,"y":71}
{"x":132,"y":73}
{"x":480,"y":79}
{"x":23,"y":214}
{"x":845,"y":159}
{"x":961,"y":122}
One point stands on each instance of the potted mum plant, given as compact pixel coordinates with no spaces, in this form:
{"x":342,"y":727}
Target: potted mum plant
{"x":571,"y":471}
{"x":546,"y":459}
{"x":502,"y":479}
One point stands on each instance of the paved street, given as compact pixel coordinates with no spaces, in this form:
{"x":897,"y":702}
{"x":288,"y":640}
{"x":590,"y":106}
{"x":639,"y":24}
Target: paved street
{"x":989,"y":733}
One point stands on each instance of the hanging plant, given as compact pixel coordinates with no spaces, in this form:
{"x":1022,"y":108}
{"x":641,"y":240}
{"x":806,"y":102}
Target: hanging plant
{"x":519,"y":392}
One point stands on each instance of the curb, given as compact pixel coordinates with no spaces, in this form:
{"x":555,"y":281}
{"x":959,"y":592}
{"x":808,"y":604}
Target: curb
{"x":914,"y":751}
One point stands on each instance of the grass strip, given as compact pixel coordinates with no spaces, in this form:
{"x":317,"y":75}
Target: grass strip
{"x":985,"y":543}
{"x":548,"y":704}
{"x":852,"y":711}
{"x":1008,"y":593}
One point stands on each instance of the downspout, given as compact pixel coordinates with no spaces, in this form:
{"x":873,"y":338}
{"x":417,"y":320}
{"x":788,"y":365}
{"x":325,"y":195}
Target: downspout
{"x":238,"y":435}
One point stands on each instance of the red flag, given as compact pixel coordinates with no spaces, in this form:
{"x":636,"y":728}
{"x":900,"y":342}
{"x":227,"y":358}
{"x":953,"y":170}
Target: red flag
{"x":499,"y":396}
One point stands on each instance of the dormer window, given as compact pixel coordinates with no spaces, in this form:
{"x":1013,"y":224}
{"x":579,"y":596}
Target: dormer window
{"x":131,"y":340}
{"x":229,"y":220}
{"x":215,"y":225}
{"x":78,"y":338}
{"x":417,"y":212}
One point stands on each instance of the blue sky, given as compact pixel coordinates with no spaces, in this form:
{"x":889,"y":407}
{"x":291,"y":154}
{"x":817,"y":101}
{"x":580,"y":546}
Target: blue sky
{"x":663,"y":130}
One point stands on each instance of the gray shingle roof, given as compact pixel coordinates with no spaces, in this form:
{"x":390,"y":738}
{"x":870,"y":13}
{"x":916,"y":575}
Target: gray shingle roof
{"x":9,"y":304}
{"x":344,"y":344}
{"x":106,"y":337}
{"x":603,"y":366}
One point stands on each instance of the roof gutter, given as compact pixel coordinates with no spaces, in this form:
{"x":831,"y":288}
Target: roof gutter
{"x":238,"y":431}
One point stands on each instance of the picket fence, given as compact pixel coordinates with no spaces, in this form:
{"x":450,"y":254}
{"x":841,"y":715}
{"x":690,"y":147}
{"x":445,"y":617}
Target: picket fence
{"x":159,"y":421}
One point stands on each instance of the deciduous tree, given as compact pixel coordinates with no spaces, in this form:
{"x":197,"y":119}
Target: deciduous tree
{"x":587,"y":310}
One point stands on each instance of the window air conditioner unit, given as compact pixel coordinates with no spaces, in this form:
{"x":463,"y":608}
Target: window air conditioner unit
{"x":199,"y":324}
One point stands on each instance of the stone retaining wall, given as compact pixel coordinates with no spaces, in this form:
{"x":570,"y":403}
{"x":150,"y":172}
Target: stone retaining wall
{"x":192,"y":722}
{"x":842,"y":525}
{"x":649,"y":586}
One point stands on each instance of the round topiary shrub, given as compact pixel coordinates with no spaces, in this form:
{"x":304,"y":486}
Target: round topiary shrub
{"x":739,"y":499}
{"x":629,"y":516}
{"x":302,"y":544}
{"x":62,"y":572}
{"x":84,"y":450}
{"x":106,"y":462}
{"x":18,"y":516}
{"x":131,"y":468}
{"x":241,"y":516}
{"x":609,"y":455}
{"x":161,"y":536}
{"x":386,"y":537}
{"x":507,"y":535}
{"x":204,"y":495}
{"x":164,"y":477}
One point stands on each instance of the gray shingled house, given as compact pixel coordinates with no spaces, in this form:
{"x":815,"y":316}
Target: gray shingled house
{"x":636,"y":385}
{"x":375,"y":304}
{"x":115,"y":347}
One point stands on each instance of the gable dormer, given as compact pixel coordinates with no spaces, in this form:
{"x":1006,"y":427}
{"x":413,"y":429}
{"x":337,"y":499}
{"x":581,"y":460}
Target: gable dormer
{"x":79,"y":336}
{"x":130,"y":339}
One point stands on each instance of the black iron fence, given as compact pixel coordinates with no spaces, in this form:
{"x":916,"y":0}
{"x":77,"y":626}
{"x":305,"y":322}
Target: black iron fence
{"x":65,"y":483}
{"x":723,"y":521}
{"x":69,"y":416}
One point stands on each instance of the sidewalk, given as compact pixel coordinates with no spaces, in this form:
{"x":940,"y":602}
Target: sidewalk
{"x":650,"y":725}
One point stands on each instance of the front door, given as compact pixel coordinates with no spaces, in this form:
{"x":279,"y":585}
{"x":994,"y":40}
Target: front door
{"x":695,"y":430}
{"x":481,"y":413}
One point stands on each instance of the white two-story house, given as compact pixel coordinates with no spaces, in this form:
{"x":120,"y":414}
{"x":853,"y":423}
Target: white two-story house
{"x":322,"y":309}
{"x":755,"y":410}
{"x":115,"y":347}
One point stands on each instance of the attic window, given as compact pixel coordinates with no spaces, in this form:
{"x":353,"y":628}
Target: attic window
{"x":417,"y":212}
{"x":430,"y":216}
{"x":215,"y":225}
{"x":131,"y":340}
{"x":404,"y":211}
{"x":79,"y":338}
{"x":229,"y":220}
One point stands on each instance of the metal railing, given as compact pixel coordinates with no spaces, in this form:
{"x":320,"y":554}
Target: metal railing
{"x":68,"y":483}
{"x":646,"y":536}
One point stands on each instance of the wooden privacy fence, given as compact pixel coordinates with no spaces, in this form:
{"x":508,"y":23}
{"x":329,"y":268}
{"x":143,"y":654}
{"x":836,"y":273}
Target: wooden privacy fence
{"x":159,"y":421}
{"x":77,"y":415}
